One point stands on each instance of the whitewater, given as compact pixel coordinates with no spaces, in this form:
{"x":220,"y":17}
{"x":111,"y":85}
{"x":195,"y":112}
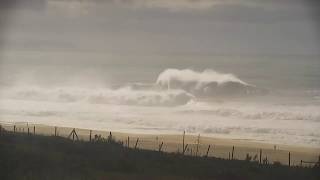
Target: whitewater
{"x":207,"y":102}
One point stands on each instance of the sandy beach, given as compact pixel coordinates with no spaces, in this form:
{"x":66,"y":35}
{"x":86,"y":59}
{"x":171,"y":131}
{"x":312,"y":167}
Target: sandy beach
{"x":173,"y":143}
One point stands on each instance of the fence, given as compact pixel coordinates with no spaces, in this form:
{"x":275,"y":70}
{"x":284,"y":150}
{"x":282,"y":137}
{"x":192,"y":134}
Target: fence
{"x":183,"y":144}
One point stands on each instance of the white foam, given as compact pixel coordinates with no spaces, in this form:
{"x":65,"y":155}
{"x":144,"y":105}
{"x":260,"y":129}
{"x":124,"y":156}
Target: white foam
{"x":121,"y":96}
{"x":155,"y":108}
{"x":187,"y":76}
{"x":208,"y":83}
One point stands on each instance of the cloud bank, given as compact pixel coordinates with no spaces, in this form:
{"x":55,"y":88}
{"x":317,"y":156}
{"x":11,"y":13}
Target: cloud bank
{"x":166,"y":4}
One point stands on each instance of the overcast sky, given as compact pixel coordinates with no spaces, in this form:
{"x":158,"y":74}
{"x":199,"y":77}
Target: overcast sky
{"x":285,"y":27}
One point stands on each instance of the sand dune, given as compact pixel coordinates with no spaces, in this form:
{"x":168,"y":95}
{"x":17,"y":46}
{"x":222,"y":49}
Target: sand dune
{"x":173,"y":143}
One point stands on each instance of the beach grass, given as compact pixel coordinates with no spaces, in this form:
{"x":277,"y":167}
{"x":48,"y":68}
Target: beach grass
{"x":24,"y":156}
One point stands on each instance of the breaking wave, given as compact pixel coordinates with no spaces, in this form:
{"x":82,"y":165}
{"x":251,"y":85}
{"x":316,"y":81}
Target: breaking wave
{"x":178,"y":100}
{"x":173,"y":88}
{"x":208,"y":83}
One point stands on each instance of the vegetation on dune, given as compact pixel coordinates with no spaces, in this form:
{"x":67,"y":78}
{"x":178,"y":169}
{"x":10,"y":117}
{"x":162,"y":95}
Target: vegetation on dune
{"x":48,"y":157}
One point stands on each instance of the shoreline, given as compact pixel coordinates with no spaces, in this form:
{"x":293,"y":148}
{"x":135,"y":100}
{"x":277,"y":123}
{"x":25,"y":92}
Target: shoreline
{"x":246,"y":141}
{"x":219,"y":147}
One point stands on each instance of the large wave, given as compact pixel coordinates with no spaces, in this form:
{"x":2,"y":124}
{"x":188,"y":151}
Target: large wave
{"x":173,"y":87}
{"x":208,"y":83}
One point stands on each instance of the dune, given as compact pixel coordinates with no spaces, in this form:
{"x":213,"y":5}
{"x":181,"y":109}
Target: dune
{"x":219,"y":147}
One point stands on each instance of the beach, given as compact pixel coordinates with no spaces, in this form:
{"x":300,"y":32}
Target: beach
{"x":219,"y":147}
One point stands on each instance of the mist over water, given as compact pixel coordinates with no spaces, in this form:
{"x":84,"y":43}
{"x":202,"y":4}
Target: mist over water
{"x":206,"y":101}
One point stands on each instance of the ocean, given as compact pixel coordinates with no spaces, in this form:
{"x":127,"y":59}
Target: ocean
{"x":273,"y":99}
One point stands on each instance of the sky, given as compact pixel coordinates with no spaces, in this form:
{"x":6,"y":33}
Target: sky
{"x":233,"y":27}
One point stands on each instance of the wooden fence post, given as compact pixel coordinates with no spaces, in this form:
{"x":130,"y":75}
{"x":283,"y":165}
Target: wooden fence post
{"x":128,"y":145}
{"x":55,"y":131}
{"x":208,"y":150}
{"x":90,"y":136}
{"x":232,"y":152}
{"x":160,"y":146}
{"x":74,"y":134}
{"x":198,"y":142}
{"x":136,"y":145}
{"x":289,"y":163}
{"x":267,"y":161}
{"x":110,"y":137}
{"x":28,"y":131}
{"x":34,"y":130}
{"x":184,"y":149}
{"x":184,"y":133}
{"x":14,"y":128}
{"x":260,"y":156}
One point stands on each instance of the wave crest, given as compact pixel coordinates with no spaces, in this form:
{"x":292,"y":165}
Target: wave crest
{"x":173,"y":88}
{"x":208,"y":83}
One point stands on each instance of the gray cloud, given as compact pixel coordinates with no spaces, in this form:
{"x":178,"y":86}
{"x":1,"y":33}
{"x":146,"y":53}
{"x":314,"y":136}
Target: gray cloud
{"x":163,"y":26}
{"x":224,"y":10}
